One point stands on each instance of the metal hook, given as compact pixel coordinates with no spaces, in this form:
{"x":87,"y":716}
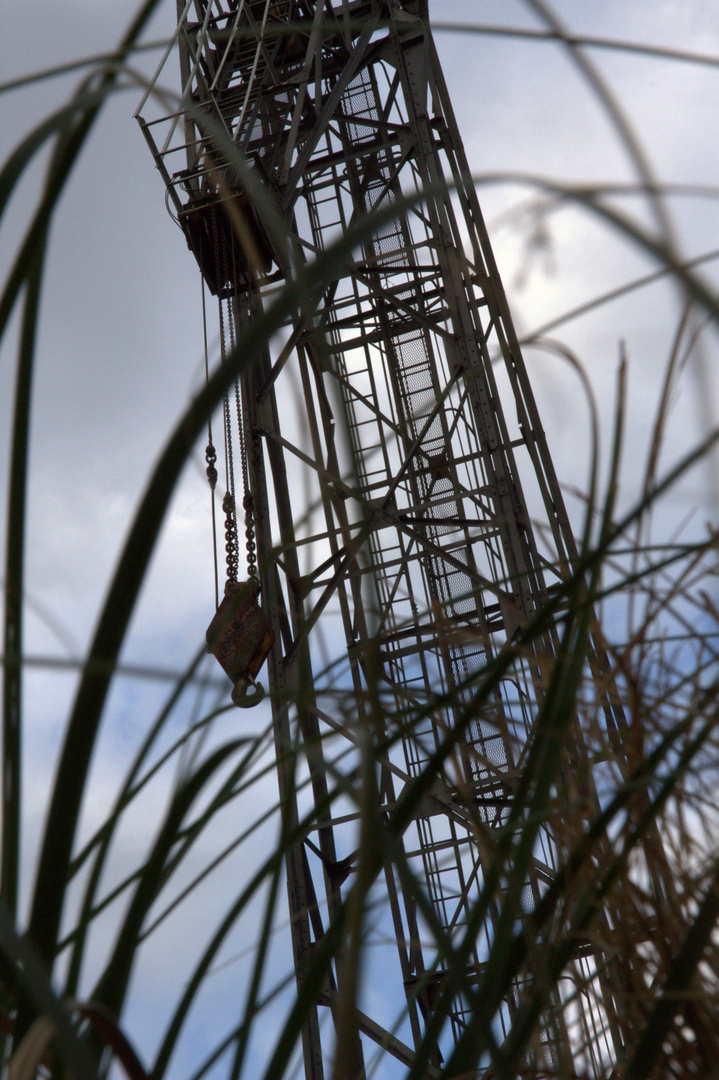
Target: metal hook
{"x":240,"y":696}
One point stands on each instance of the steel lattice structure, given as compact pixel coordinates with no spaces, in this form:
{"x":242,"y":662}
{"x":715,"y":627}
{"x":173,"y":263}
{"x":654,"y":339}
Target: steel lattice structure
{"x":394,"y":453}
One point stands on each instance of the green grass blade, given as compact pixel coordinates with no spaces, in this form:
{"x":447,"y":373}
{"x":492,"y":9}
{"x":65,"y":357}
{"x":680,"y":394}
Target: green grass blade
{"x":103,"y":840}
{"x":14,"y":577}
{"x":22,"y":965}
{"x":112,"y":985}
{"x":58,"y":123}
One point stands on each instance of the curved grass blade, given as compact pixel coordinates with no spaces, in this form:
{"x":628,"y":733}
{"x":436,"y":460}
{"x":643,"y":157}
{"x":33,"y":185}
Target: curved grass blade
{"x":112,"y":986}
{"x":14,"y":577}
{"x":103,"y":839}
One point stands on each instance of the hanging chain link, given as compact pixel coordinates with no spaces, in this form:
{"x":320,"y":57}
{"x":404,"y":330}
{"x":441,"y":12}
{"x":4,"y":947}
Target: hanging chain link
{"x":211,"y":458}
{"x":248,"y":504}
{"x":229,"y":504}
{"x":249,"y":507}
{"x":232,"y":546}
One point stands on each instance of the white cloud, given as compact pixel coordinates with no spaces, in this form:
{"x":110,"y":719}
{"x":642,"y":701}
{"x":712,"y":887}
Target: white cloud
{"x":122,"y":336}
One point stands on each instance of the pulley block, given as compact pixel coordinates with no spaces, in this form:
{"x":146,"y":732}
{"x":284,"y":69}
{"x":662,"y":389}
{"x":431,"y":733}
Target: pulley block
{"x":240,"y":637}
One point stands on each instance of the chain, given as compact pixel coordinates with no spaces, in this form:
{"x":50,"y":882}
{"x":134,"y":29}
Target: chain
{"x":249,"y":507}
{"x":211,"y":471}
{"x":211,"y":458}
{"x":248,"y":503}
{"x":229,"y":505}
{"x":232,"y":547}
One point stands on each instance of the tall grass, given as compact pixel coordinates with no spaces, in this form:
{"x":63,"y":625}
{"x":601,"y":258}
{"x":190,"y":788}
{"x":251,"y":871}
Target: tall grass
{"x":68,"y":964}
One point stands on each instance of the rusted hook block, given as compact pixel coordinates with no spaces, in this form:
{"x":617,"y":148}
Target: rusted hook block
{"x":240,"y":637}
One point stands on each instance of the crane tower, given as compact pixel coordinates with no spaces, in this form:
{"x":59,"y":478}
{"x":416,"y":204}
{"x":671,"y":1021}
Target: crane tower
{"x":393,"y":469}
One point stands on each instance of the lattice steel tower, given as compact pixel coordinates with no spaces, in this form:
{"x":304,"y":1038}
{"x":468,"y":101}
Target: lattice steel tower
{"x":395,"y":463}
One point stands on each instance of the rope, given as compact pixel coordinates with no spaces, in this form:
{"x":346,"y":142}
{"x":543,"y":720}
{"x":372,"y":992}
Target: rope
{"x":229,"y":503}
{"x":210,"y":454}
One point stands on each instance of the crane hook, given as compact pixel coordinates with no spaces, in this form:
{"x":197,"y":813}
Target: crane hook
{"x":240,"y":637}
{"x":241,"y":698}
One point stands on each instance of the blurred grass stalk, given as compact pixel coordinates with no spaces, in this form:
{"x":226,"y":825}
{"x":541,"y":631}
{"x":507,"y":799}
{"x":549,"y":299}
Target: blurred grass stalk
{"x":672,"y":753}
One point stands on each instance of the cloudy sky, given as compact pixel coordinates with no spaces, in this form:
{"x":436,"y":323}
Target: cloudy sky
{"x":121,"y":334}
